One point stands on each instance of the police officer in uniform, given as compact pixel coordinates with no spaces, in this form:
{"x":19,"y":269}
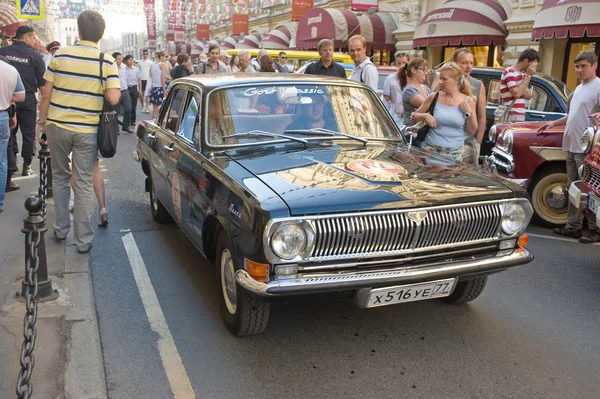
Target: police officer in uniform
{"x":31,"y":67}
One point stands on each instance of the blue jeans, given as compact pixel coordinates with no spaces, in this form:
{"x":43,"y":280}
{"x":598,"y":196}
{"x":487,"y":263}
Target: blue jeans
{"x":4,"y":136}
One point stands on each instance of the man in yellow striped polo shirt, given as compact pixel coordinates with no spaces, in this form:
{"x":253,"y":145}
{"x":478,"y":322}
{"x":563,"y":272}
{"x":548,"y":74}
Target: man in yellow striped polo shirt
{"x":72,"y":100}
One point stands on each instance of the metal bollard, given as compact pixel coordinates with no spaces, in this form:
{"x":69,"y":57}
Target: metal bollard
{"x":35,"y":222}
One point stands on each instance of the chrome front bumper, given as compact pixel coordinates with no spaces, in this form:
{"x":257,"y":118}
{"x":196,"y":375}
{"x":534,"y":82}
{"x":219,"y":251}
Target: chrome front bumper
{"x":502,"y":160}
{"x":351,"y":280}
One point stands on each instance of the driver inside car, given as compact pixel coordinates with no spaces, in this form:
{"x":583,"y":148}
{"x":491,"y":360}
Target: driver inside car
{"x":313,"y":115}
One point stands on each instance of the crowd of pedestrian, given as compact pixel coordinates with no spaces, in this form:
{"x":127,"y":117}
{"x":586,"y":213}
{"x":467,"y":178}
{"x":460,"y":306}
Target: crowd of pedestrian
{"x":451,"y":110}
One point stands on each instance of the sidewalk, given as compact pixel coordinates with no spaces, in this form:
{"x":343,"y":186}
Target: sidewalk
{"x":68,"y":354}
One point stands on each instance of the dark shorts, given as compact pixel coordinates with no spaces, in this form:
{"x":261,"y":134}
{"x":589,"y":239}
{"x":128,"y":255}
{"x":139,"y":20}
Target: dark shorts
{"x":144,"y":83}
{"x":156,"y":95}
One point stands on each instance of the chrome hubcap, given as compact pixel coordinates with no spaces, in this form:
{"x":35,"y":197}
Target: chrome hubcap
{"x":228,"y":282}
{"x":555,"y":197}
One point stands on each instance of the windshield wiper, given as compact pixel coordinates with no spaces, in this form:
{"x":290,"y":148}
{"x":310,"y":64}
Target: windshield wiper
{"x":260,"y":133}
{"x":322,"y":131}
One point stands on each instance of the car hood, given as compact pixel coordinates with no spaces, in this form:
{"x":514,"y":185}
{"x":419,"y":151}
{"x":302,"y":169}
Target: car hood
{"x":531,"y":128}
{"x":331,"y":178}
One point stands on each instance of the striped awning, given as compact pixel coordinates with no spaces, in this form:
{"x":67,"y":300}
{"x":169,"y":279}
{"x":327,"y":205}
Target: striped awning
{"x":198,"y":47}
{"x":277,"y":39}
{"x":559,"y":18}
{"x":230,"y":42}
{"x":172,"y":48}
{"x":339,"y":25}
{"x":251,"y":41}
{"x":9,"y":22}
{"x":462,"y":22}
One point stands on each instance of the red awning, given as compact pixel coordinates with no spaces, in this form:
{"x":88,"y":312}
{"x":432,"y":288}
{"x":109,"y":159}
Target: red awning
{"x":559,"y":18}
{"x":277,"y":39}
{"x":340,"y":25}
{"x":462,"y":22}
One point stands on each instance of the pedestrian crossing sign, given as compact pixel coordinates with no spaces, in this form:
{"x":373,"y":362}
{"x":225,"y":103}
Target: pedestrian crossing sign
{"x":30,"y":9}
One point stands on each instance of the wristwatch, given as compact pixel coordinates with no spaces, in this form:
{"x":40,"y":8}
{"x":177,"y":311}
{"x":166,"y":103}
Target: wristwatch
{"x":467,"y":114}
{"x":39,"y":122}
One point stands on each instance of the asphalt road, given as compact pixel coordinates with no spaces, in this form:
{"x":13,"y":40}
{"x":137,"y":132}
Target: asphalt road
{"x":534,"y":332}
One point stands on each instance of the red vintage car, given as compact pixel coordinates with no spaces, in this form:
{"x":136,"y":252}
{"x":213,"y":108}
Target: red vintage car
{"x":535,"y":161}
{"x":585,"y":193}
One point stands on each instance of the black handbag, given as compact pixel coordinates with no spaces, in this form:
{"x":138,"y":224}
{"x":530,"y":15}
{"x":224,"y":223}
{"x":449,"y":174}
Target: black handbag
{"x":108,"y":126}
{"x":422,"y":132}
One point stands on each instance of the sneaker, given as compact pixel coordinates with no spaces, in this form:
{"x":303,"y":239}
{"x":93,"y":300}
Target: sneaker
{"x":563,"y":231}
{"x":27,"y":171}
{"x":59,"y":238}
{"x":590,"y":237}
{"x":128,"y":130}
{"x":12,"y":186}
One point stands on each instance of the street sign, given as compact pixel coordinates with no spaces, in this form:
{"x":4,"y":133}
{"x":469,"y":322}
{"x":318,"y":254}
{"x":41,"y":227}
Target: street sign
{"x":30,"y":9}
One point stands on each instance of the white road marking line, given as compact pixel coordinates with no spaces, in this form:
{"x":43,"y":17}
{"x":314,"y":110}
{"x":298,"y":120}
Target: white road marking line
{"x":125,"y":230}
{"x":176,"y":374}
{"x":558,"y":238}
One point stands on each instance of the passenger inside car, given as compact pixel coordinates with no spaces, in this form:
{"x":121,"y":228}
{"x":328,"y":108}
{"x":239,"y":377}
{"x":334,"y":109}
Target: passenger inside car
{"x":314,"y":114}
{"x":217,"y":124}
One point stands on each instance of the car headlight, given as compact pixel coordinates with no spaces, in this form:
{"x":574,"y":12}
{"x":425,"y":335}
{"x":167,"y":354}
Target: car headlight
{"x":587,"y":139}
{"x":492,"y":133}
{"x":289,"y":240}
{"x":508,"y":142}
{"x":514,"y":218}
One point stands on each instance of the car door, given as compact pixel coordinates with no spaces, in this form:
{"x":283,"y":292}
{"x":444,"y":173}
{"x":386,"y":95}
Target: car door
{"x":181,"y":160}
{"x":180,"y":154}
{"x":164,"y":139}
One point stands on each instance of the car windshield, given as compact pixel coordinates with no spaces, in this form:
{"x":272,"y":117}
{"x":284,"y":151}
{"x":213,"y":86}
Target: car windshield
{"x":296,"y":112}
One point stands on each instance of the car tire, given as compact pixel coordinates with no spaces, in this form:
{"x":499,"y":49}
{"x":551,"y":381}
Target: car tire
{"x":466,"y":291}
{"x":159,"y":212}
{"x":547,"y":185}
{"x":243,"y":314}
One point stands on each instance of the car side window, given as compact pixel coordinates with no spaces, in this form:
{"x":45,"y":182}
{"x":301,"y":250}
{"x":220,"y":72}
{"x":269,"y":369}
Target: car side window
{"x":493,"y":92}
{"x":187,"y":127}
{"x":538,"y":100}
{"x":170,"y":119}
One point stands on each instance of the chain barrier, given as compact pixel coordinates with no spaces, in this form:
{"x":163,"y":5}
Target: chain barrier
{"x":32,"y":264}
{"x":43,"y":184}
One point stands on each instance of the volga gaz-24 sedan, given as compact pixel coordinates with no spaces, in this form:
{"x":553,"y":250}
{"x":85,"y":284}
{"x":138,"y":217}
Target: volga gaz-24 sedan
{"x":295,"y":184}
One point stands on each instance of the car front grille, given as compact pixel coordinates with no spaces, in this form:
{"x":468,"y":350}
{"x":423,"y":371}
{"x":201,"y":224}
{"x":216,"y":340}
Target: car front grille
{"x":591,"y":176}
{"x":387,"y":233}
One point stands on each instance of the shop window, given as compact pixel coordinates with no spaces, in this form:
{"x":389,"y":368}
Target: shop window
{"x":481,"y":55}
{"x":573,"y":48}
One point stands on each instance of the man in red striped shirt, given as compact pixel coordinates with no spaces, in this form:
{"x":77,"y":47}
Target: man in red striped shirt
{"x":514,"y":85}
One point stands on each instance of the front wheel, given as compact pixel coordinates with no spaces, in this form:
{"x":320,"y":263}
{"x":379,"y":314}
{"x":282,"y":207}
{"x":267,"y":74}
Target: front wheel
{"x":242,"y":313}
{"x":466,"y":291}
{"x":549,"y":198}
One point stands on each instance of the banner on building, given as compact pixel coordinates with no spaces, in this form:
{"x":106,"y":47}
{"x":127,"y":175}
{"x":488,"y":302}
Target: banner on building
{"x":150,"y":23}
{"x":239,"y":24}
{"x":202,"y":31}
{"x":179,"y":31}
{"x":300,"y":7}
{"x":364,"y":5}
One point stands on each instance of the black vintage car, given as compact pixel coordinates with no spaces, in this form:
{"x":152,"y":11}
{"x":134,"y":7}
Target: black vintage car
{"x":295,"y":184}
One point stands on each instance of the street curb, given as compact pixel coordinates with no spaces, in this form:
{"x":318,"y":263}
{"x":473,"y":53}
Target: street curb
{"x":85,"y":376}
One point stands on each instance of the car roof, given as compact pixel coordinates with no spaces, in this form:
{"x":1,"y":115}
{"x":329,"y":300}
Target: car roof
{"x":216,"y":80}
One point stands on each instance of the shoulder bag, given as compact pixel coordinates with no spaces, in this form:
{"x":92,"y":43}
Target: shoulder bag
{"x":502,"y":112}
{"x":424,"y":128}
{"x":108,"y":126}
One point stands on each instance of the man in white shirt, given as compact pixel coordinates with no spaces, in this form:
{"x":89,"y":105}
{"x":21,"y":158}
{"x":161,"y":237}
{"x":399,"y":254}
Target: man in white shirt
{"x":144,"y":66}
{"x":134,"y":85}
{"x":125,"y":100}
{"x":584,"y":111}
{"x":255,"y":62}
{"x":364,"y":70}
{"x":392,"y":93}
{"x":245,"y":66}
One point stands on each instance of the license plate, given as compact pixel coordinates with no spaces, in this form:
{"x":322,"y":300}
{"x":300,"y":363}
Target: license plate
{"x":593,"y":203}
{"x":410,"y":293}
